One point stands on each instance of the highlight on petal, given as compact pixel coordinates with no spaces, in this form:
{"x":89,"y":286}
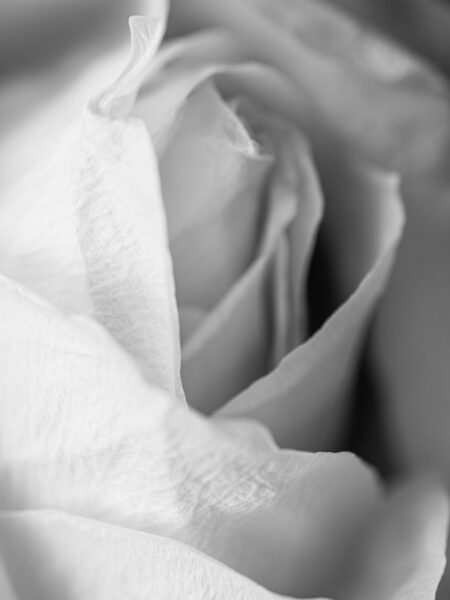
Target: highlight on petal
{"x":87,"y":232}
{"x":83,"y":432}
{"x":84,"y":559}
{"x":304,"y":401}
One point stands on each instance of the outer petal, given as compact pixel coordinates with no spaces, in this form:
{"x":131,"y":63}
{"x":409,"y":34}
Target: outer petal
{"x":246,"y":332}
{"x":88,"y":233}
{"x":49,"y":554}
{"x":83,"y":432}
{"x":52,"y":555}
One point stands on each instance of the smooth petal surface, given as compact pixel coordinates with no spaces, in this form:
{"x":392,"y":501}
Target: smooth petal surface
{"x":87,"y":232}
{"x":396,"y":110}
{"x":212,"y":176}
{"x":83,"y":432}
{"x":304,"y":401}
{"x":258,"y":320}
{"x":55,"y":555}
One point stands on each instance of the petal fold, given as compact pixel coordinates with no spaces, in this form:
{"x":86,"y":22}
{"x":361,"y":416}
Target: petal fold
{"x":305,"y":400}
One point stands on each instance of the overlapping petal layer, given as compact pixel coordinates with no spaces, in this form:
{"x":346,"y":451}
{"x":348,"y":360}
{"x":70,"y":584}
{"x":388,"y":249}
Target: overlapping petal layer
{"x":396,"y":110}
{"x":84,"y":432}
{"x":87,"y":231}
{"x":93,"y":438}
{"x":304,"y":400}
{"x":95,"y":254}
{"x":89,"y":560}
{"x":231,"y":346}
{"x":51,"y":554}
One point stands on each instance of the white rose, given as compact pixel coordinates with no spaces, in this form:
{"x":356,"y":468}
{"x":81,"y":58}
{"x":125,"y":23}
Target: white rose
{"x":104,"y":434}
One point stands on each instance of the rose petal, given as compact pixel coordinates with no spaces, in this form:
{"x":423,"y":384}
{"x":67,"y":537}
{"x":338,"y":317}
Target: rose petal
{"x":411,"y":133}
{"x":88,"y":233}
{"x":182,"y":65}
{"x":254,"y":322}
{"x":56,"y":555}
{"x":231,"y":347}
{"x":53,"y":554}
{"x":212,"y":176}
{"x":296,"y":177}
{"x":179,"y":69}
{"x":83,"y":432}
{"x":304,"y":401}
